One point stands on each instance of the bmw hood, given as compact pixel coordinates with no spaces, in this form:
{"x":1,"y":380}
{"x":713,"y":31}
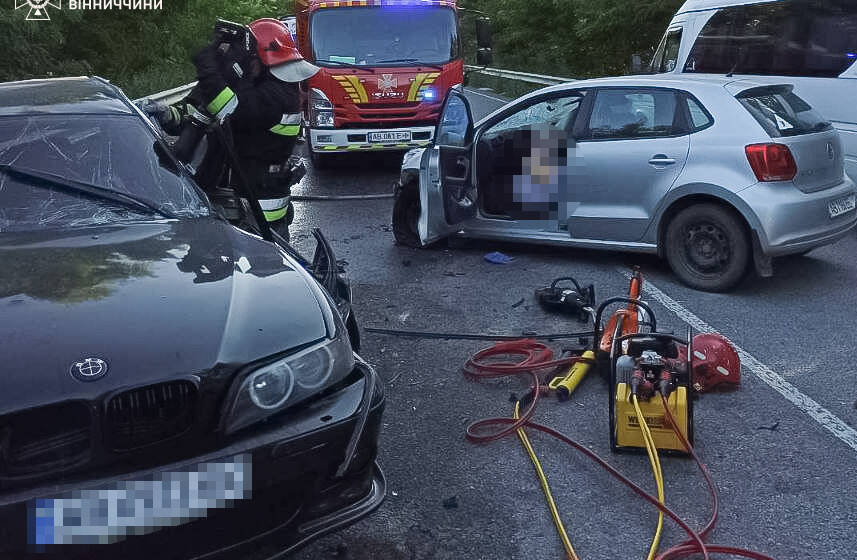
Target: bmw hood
{"x":91,"y":310}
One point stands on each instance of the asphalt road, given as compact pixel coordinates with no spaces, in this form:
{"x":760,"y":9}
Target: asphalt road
{"x":787,"y":483}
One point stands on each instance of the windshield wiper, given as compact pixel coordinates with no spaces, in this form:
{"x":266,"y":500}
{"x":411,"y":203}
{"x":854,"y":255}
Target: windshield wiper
{"x":411,"y":61}
{"x":86,"y":189}
{"x":346,"y":64}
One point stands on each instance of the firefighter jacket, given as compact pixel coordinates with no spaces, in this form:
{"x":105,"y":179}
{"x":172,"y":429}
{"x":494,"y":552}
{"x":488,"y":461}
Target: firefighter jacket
{"x":264,"y":115}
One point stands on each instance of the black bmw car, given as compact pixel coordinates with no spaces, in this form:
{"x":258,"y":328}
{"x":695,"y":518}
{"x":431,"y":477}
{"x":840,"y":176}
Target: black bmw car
{"x":172,"y":386}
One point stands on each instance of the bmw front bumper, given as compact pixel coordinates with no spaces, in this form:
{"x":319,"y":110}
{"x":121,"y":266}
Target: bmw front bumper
{"x":302,"y":487}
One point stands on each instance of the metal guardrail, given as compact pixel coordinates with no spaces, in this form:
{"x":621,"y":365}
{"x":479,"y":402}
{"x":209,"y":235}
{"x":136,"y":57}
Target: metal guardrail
{"x":170,"y":96}
{"x":520,"y":76}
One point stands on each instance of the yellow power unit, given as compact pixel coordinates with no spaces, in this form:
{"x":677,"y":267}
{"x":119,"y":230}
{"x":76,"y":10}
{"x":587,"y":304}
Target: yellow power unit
{"x":628,"y":433}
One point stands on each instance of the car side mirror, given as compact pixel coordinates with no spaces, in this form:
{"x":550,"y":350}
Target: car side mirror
{"x":484,"y":41}
{"x":484,"y":33}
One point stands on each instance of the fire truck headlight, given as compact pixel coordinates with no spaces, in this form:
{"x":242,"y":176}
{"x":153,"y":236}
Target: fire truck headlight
{"x":429,"y":94}
{"x":324,"y":119}
{"x":321,"y":109}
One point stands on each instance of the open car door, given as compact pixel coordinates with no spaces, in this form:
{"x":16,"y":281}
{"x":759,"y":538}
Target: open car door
{"x":448,"y":198}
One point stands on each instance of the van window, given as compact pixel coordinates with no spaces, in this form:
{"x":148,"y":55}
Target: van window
{"x":666,"y":58}
{"x":811,"y":38}
{"x":781,"y":112}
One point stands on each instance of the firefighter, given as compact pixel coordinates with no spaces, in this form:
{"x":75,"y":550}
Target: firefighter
{"x":251,"y":75}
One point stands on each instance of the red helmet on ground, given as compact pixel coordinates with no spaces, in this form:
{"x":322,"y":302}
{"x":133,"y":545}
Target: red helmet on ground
{"x":277,"y":51}
{"x":715,"y":363}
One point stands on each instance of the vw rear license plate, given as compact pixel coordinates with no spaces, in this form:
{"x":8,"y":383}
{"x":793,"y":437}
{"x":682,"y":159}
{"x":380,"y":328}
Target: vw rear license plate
{"x":841,"y":206}
{"x":125,"y":508}
{"x":390,"y":137}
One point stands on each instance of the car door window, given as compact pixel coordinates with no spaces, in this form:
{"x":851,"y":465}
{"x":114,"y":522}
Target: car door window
{"x":454,"y":123}
{"x":557,"y":112}
{"x":699,"y":117}
{"x":628,"y":113}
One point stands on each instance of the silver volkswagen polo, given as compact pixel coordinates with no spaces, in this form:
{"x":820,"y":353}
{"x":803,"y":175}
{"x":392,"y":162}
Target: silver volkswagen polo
{"x":715,"y":174}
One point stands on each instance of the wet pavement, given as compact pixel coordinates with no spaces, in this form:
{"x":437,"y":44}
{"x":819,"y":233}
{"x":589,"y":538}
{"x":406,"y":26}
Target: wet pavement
{"x":786,"y":482}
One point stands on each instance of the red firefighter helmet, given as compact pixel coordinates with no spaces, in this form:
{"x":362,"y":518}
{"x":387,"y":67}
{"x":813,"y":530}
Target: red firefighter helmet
{"x":715,"y":362}
{"x":277,"y":51}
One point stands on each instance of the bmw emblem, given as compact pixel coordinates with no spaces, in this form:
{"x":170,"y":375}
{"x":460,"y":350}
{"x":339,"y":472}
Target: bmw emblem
{"x":88,"y":369}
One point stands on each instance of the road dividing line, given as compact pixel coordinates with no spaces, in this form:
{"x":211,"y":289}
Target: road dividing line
{"x":827,"y":419}
{"x":477,"y":92}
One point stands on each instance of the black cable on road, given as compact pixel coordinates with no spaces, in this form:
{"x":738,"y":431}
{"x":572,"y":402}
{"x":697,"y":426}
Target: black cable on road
{"x":322,"y":197}
{"x":470,"y":336}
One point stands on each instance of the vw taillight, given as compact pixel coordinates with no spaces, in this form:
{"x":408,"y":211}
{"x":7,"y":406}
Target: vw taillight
{"x":771,"y":162}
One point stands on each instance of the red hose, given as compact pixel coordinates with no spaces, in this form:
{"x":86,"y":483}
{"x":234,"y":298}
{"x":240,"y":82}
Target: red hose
{"x":691,"y":547}
{"x":538,"y":357}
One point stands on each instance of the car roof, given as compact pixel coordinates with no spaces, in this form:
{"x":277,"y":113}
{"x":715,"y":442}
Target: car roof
{"x":79,"y":95}
{"x":696,"y":84}
{"x":702,"y":5}
{"x":693,"y":83}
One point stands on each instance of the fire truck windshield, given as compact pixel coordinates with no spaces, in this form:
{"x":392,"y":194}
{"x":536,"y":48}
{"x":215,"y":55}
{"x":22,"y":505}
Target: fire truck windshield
{"x":372,"y":36}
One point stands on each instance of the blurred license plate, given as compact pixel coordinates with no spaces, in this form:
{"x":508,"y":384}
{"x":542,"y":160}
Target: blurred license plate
{"x":397,"y":136}
{"x":125,"y":508}
{"x":841,"y":206}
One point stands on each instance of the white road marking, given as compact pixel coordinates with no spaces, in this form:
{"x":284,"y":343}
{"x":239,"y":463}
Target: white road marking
{"x":476,"y":92}
{"x":806,"y":404}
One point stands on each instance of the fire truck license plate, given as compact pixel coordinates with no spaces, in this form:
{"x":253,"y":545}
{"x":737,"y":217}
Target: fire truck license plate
{"x":841,"y":206}
{"x":387,"y":137}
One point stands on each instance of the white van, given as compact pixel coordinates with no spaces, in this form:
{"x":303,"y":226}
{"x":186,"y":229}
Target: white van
{"x":811,"y":42}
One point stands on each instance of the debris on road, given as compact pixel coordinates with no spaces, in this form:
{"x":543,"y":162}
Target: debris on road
{"x":498,"y":258}
{"x":451,"y":503}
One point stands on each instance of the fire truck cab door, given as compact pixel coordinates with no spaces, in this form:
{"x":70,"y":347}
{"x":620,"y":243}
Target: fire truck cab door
{"x":450,"y":186}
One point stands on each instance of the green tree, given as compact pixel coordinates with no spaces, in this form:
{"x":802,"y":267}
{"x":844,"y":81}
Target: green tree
{"x":575,"y":38}
{"x":148,"y":51}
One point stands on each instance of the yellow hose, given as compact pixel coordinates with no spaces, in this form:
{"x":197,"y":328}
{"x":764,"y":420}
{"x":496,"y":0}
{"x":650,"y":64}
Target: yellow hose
{"x":525,"y":441}
{"x":652,"y":451}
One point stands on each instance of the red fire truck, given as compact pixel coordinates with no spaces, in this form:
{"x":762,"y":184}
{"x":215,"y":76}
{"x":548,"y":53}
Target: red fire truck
{"x":386,"y":67}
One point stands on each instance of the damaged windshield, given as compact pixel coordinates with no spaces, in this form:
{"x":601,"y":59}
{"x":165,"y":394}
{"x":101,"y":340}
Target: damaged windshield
{"x":78,"y":162}
{"x":387,"y":37}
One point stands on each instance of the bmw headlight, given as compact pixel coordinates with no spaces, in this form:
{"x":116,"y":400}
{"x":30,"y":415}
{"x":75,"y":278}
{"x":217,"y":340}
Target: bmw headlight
{"x":290,"y":380}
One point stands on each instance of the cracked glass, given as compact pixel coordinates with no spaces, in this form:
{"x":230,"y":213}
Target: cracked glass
{"x":111,"y":152}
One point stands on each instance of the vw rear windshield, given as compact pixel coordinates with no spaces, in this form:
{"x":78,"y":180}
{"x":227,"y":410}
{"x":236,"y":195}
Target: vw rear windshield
{"x":114,"y":153}
{"x":781,"y":112}
{"x":385,"y":36}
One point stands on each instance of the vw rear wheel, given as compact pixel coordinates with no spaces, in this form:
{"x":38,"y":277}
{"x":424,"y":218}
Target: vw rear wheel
{"x":707,"y":247}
